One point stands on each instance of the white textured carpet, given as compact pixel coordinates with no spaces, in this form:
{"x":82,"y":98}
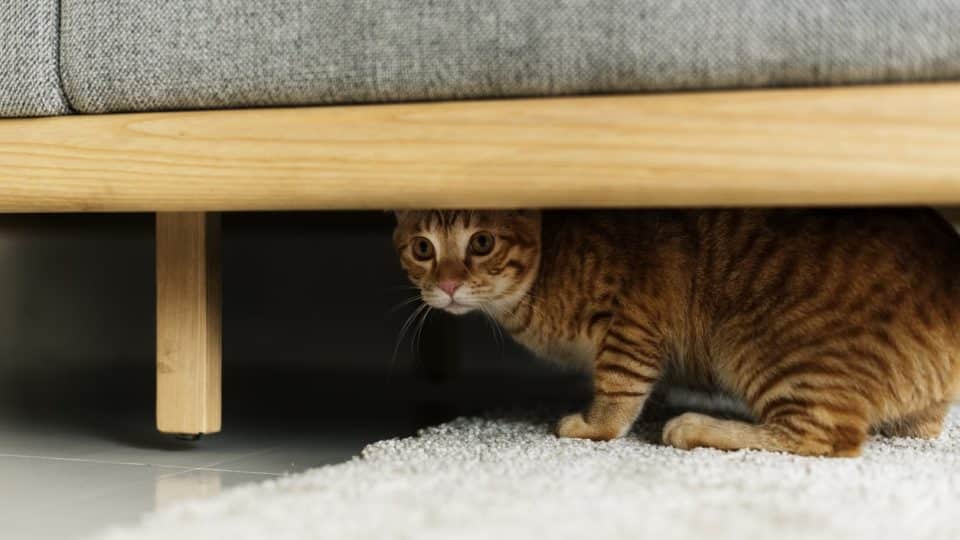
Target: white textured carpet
{"x":510,"y":478}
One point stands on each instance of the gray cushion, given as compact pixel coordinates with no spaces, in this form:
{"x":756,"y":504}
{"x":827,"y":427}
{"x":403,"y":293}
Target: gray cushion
{"x":162,"y":54}
{"x":127,"y":55}
{"x":29,"y":83}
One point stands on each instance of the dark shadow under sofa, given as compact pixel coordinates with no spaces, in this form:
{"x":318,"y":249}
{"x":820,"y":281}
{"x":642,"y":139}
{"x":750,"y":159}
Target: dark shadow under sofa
{"x":359,"y":104}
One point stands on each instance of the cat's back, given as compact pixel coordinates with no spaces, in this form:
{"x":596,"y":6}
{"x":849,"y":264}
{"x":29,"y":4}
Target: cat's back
{"x":806,"y":257}
{"x":838,"y":245}
{"x":775,"y":250}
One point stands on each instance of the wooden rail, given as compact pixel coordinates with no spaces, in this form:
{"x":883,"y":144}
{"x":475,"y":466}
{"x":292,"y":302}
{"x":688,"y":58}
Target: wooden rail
{"x":858,"y":145}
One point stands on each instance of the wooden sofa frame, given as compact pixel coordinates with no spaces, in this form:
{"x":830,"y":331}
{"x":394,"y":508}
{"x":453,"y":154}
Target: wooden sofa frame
{"x":833,"y":146}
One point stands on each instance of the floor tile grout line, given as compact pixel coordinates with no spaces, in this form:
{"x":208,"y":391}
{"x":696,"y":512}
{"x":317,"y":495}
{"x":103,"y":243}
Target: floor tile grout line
{"x":96,"y":461}
{"x":238,"y":458}
{"x":175,"y":469}
{"x":214,"y":466}
{"x":210,"y":469}
{"x":211,"y":466}
{"x":239,"y":471}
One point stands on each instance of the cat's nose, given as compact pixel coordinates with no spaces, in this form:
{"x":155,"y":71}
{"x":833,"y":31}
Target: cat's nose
{"x":450,"y":286}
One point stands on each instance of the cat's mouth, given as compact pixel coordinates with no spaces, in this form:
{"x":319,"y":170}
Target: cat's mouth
{"x":454,"y":306}
{"x":457,"y":308}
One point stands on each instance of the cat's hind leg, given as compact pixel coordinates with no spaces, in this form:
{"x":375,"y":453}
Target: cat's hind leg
{"x":694,"y":430}
{"x":797,"y":435}
{"x":813,"y":423}
{"x":809,"y":404}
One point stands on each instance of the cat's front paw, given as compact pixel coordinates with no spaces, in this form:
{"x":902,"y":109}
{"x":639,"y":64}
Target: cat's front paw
{"x":575,"y":426}
{"x":572,"y":426}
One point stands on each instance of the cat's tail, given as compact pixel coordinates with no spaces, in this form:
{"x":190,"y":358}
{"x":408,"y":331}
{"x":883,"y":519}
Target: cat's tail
{"x":714,"y":403}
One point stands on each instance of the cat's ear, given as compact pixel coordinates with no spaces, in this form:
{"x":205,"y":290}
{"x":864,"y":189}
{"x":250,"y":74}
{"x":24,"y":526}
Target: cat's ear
{"x":400,"y":214}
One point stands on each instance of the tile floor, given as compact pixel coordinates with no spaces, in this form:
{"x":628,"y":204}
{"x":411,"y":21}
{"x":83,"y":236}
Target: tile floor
{"x":79,"y":452}
{"x":61,"y":480}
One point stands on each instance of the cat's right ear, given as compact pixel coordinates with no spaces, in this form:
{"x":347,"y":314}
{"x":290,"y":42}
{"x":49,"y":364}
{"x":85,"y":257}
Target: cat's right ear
{"x":401,"y":214}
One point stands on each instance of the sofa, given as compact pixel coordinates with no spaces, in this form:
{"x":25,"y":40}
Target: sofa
{"x":190,"y":108}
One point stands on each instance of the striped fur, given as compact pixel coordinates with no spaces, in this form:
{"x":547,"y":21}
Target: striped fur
{"x":828,"y":324}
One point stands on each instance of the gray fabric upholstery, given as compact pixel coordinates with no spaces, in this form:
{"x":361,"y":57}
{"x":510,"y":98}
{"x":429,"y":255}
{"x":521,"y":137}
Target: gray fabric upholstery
{"x":29,"y":83}
{"x":172,"y":54}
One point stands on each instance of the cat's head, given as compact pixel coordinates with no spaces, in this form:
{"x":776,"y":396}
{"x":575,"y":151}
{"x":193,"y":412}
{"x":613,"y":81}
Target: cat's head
{"x":469,"y":260}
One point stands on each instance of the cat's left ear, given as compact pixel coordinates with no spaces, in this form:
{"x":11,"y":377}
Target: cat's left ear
{"x":401,"y":214}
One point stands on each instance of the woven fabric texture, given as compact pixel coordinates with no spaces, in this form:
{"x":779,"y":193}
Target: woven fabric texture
{"x":29,"y":83}
{"x":128,"y":55}
{"x":137,"y":55}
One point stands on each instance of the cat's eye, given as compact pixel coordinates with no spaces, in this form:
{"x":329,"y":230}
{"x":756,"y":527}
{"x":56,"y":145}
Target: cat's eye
{"x":422,"y":249}
{"x":481,"y":243}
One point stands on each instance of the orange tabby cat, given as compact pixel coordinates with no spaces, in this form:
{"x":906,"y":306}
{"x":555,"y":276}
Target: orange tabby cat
{"x":828,"y":324}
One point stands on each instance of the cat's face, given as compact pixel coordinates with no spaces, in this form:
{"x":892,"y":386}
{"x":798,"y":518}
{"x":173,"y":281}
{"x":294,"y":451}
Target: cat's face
{"x":469,"y":260}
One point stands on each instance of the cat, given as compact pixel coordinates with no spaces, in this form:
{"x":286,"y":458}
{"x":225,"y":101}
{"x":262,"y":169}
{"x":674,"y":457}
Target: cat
{"x":829,"y":324}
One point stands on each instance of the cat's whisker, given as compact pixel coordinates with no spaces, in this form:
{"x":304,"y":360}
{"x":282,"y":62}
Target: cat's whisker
{"x":494,"y":328}
{"x":403,"y":331}
{"x":401,"y":288}
{"x":404,"y":303}
{"x":418,"y":334}
{"x":499,"y":330}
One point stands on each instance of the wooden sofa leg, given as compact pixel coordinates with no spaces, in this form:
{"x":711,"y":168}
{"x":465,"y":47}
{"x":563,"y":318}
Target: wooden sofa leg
{"x":188,"y":323}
